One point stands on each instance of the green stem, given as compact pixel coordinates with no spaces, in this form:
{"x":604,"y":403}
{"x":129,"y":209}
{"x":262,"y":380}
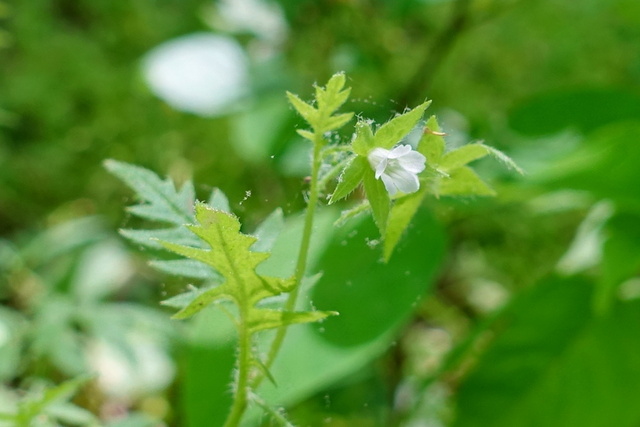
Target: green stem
{"x":301,"y":265}
{"x":244,"y":366}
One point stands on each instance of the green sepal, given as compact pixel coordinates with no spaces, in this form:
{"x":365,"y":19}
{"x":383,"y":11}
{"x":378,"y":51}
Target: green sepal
{"x":390,"y":133}
{"x":464,"y":181}
{"x":350,"y":178}
{"x":364,"y":140}
{"x":432,"y":145}
{"x":378,"y":199}
{"x":400,"y":217}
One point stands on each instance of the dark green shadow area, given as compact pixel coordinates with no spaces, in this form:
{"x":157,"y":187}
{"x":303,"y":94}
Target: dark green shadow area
{"x":583,"y":110}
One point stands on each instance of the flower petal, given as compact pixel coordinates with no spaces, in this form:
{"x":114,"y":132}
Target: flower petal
{"x":413,"y":162}
{"x":399,"y":151}
{"x":404,"y":180}
{"x":389,"y":184}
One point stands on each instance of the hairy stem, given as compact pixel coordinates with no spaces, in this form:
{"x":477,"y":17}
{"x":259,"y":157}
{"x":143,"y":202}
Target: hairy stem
{"x":242,"y":380}
{"x":303,"y":254}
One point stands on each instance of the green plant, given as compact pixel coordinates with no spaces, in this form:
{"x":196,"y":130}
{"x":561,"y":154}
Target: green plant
{"x":396,"y":177}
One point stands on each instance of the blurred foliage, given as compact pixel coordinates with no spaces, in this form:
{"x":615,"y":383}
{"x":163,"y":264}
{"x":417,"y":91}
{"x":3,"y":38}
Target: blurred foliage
{"x":500,"y":336}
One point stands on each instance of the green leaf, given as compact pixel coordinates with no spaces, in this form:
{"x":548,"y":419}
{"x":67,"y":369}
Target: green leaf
{"x":262,"y":319}
{"x":468,"y":153}
{"x":350,"y":178}
{"x":431,"y":144}
{"x":332,"y":96}
{"x":328,"y":99}
{"x":556,"y":364}
{"x":187,"y":268}
{"x":30,"y":408}
{"x":378,"y":199}
{"x":163,"y":202}
{"x":400,"y":217}
{"x":364,"y":141}
{"x":463,"y":181}
{"x":390,"y":133}
{"x":307,"y":112}
{"x":230,"y":255}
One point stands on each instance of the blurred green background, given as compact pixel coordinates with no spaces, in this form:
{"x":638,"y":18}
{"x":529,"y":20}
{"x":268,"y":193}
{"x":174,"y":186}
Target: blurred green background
{"x":527,"y":311}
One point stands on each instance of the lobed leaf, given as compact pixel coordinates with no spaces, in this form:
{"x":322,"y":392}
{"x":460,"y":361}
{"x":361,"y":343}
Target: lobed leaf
{"x":230,"y":254}
{"x":163,"y":202}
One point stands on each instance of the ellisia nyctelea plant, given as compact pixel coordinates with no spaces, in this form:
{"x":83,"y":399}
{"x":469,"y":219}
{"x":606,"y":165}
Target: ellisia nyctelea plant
{"x":396,"y":177}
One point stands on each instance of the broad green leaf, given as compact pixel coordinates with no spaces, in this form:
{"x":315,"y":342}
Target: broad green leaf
{"x":378,"y":199}
{"x":556,"y":364}
{"x":400,"y":217}
{"x":364,"y":141}
{"x":390,"y":133}
{"x":431,"y":144}
{"x":350,"y":178}
{"x":463,"y":181}
{"x":375,"y":299}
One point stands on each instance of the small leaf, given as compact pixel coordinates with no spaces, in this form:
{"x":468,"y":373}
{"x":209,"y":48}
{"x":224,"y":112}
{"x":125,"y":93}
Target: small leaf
{"x":332,"y":96}
{"x":378,"y":199}
{"x":336,"y":122}
{"x":432,"y":145}
{"x":262,"y":319}
{"x":464,"y":182}
{"x":390,"y":133}
{"x":349,"y":179}
{"x":306,"y":134}
{"x":400,"y":216}
{"x":307,"y":112}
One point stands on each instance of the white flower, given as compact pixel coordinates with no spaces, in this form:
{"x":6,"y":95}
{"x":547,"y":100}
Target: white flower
{"x":201,"y":73}
{"x":398,"y":168}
